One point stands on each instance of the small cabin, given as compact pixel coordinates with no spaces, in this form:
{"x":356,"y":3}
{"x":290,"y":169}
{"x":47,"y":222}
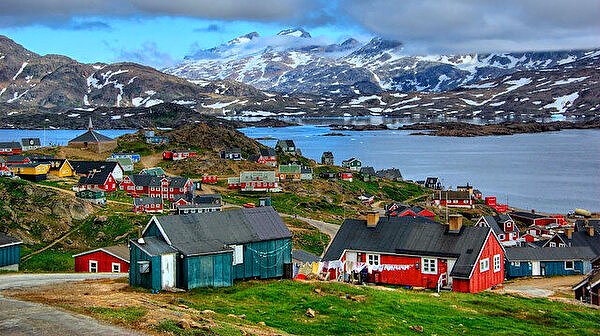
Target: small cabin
{"x":31,"y":143}
{"x":92,"y":196}
{"x":10,"y":148}
{"x":327,"y":159}
{"x":547,"y":261}
{"x":111,"y":259}
{"x":148,"y":205}
{"x":211,"y":249}
{"x":234,"y":153}
{"x":10,"y":252}
{"x":588,"y":290}
{"x":353,"y":164}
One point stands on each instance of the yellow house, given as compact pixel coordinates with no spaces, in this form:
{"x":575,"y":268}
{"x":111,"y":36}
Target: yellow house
{"x":31,"y":171}
{"x":62,"y":168}
{"x":58,"y":167}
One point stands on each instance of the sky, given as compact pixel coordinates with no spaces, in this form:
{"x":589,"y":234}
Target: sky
{"x":160,"y":33}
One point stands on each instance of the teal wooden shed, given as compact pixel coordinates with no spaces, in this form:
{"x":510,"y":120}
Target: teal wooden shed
{"x":547,"y":261}
{"x":211,"y":249}
{"x":10,"y":252}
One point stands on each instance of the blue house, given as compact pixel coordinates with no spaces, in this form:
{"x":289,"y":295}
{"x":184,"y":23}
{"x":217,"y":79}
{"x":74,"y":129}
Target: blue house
{"x":10,"y":253}
{"x":211,"y":249}
{"x":135,"y":158}
{"x":547,"y":261}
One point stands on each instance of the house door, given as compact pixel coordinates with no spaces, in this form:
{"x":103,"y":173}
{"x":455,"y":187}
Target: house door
{"x":535,"y":268}
{"x":167,"y":270}
{"x":351,"y":259}
{"x":451,"y":263}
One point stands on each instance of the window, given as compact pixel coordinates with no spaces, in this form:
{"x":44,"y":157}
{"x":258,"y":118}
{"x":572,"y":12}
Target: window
{"x":373,"y":259}
{"x":561,"y":245}
{"x":484,"y":265}
{"x":429,"y":266}
{"x":93,"y":266}
{"x":497,"y":263}
{"x":516,"y":263}
{"x":238,"y":254}
{"x":552,"y":244}
{"x":116,"y":267}
{"x":501,"y":237}
{"x":569,"y":265}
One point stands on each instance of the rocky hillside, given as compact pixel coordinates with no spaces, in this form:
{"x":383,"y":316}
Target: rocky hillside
{"x":36,"y":214}
{"x":294,"y":62}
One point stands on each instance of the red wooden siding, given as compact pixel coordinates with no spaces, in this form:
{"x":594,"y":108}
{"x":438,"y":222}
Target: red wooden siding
{"x":483,"y":280}
{"x":104,"y":260}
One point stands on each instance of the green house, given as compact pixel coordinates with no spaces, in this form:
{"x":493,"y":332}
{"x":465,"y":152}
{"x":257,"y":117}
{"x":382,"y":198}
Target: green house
{"x":93,"y":196}
{"x":10,"y":253}
{"x":353,"y":164}
{"x":211,"y":249}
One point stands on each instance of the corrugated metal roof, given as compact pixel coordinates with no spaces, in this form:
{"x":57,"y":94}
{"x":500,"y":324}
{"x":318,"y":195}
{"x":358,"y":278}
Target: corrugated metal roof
{"x":7,"y":240}
{"x":549,"y":253}
{"x":411,"y":236}
{"x":154,"y":246}
{"x":211,"y":232}
{"x":92,"y":136}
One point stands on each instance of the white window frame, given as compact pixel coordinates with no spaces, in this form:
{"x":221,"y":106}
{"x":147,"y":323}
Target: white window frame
{"x":561,"y":245}
{"x":497,"y":261}
{"x":95,"y":266}
{"x":552,"y":244}
{"x":484,"y":265}
{"x":516,"y":263}
{"x":116,"y":269}
{"x":429,"y":266}
{"x":572,"y":265}
{"x":237,"y":255}
{"x":373,"y":259}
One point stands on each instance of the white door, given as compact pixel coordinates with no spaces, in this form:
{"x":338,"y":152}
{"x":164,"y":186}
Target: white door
{"x":167,"y":263}
{"x":351,"y":258}
{"x":451,"y":263}
{"x":535,"y":268}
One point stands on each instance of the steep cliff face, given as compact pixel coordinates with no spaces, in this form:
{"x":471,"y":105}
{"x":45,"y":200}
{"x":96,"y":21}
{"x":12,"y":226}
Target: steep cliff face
{"x":37,"y":214}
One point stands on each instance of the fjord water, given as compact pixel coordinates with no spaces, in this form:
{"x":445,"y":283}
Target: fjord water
{"x":552,"y":172}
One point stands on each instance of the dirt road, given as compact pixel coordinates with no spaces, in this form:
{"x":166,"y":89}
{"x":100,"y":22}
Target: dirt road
{"x":27,"y":318}
{"x":560,"y":286}
{"x":327,"y":228}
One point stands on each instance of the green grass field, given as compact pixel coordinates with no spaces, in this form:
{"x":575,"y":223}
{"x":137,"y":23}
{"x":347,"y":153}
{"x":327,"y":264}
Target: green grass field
{"x":282,"y":305}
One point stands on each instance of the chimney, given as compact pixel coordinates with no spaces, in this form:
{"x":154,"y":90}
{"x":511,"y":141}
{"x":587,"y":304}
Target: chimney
{"x":372,"y":218}
{"x":455,"y":223}
{"x":569,"y":233}
{"x":590,"y":230}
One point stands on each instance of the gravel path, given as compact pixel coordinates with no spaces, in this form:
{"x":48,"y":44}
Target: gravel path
{"x":27,"y":318}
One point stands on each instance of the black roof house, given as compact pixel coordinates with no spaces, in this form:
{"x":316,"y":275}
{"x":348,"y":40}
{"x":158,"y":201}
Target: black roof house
{"x":85,"y":167}
{"x":412,"y":236}
{"x":210,"y":233}
{"x":268,"y":152}
{"x":155,"y":181}
{"x":97,"y":177}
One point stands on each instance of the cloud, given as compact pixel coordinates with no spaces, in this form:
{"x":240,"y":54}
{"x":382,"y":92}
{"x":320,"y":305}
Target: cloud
{"x":53,"y":12}
{"x":211,"y":28}
{"x":147,"y":54}
{"x":475,"y":25}
{"x":90,"y":25}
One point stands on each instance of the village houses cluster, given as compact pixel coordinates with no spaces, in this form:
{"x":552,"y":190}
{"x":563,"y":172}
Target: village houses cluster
{"x":199,"y":245}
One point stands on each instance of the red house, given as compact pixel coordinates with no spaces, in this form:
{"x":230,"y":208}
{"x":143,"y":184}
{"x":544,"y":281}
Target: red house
{"x":169,"y":188}
{"x":453,"y":199}
{"x":402,"y":210}
{"x":345,"y":176}
{"x":532,"y":218}
{"x":95,"y":180}
{"x":503,"y":226}
{"x":148,"y":205}
{"x":17,"y":159}
{"x":10,"y":148}
{"x":178,"y":154}
{"x":210,"y":179}
{"x":416,"y":251}
{"x":114,"y":259}
{"x":267,"y":156}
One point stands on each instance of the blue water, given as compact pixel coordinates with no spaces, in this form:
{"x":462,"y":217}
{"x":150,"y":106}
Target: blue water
{"x":54,"y":137}
{"x":553,"y":172}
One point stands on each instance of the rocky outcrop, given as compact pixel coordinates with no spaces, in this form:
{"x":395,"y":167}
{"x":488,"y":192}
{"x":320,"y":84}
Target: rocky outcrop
{"x":37,"y":214}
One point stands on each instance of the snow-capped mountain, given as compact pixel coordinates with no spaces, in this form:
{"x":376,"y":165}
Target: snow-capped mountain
{"x":294,"y":61}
